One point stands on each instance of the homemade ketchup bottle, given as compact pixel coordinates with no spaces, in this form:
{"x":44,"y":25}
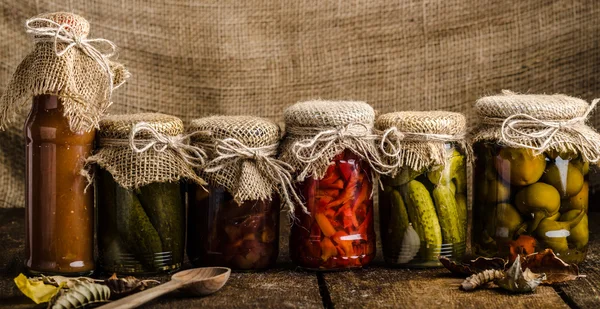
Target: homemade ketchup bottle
{"x":59,"y":210}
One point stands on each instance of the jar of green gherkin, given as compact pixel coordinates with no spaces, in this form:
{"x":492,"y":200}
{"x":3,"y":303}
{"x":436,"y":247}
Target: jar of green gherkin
{"x":141,"y":207}
{"x":533,"y":157}
{"x":423,"y":211}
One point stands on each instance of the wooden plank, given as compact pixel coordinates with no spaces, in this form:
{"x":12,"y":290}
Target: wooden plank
{"x":378,"y":287}
{"x":283,"y":288}
{"x":585,"y":292}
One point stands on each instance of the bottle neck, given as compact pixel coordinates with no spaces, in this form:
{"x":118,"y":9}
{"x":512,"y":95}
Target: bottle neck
{"x":46,"y":103}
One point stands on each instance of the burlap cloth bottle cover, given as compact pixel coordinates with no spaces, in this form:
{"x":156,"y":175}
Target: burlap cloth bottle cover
{"x":418,"y":139}
{"x":538,"y":122}
{"x":140,"y":149}
{"x":66,"y":63}
{"x":317,"y":131}
{"x":241,"y":158}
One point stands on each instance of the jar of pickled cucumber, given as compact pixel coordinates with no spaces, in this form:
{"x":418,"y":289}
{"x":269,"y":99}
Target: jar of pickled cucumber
{"x":236,"y":222}
{"x":531,"y":175}
{"x":423,"y":202}
{"x":140,"y":198}
{"x":332,"y":148}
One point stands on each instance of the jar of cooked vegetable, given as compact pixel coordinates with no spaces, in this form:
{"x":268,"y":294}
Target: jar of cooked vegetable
{"x":331,"y":146}
{"x":140,"y":200}
{"x":235,"y":223}
{"x":531,"y":175}
{"x":423,"y":202}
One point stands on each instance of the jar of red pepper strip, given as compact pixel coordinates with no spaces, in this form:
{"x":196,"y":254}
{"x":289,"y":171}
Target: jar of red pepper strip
{"x":332,"y":148}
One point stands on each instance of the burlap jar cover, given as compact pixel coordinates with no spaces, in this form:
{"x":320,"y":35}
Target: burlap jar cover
{"x":417,"y":139}
{"x":538,"y":122}
{"x":141,"y":149}
{"x":67,"y":64}
{"x":317,"y":131}
{"x":241,"y":154}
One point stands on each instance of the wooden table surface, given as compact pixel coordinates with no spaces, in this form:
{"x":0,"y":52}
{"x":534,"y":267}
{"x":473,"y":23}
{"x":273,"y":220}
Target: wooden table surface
{"x":373,"y":287}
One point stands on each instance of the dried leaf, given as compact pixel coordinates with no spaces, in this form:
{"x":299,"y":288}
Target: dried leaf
{"x":35,"y":289}
{"x":79,"y":295}
{"x":475,"y":266}
{"x":121,"y":287}
{"x":547,"y":262}
{"x":515,"y":280}
{"x":65,"y":281}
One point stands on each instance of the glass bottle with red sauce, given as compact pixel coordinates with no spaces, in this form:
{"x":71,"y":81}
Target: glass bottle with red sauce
{"x":59,"y":209}
{"x":338,"y":233}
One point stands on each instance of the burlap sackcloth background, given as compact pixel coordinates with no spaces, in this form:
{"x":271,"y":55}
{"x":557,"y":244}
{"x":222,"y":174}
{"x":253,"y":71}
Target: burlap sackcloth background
{"x":198,"y":58}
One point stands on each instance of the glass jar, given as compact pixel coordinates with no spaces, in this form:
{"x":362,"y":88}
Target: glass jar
{"x":223,"y":233}
{"x":338,"y":233}
{"x":140,"y":231}
{"x":527,"y":202}
{"x":236,"y":223}
{"x":423,"y":214}
{"x":59,"y":211}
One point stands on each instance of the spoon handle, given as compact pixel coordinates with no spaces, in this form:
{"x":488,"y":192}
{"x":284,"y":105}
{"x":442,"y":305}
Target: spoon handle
{"x":137,"y":299}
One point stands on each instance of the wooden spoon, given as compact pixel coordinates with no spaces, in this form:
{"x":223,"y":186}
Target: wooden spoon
{"x":197,"y":281}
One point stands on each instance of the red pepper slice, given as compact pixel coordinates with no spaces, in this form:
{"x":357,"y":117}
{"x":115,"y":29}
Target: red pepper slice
{"x":346,"y":245}
{"x":328,"y":249}
{"x":363,"y":228}
{"x":348,"y":192}
{"x":346,"y":168}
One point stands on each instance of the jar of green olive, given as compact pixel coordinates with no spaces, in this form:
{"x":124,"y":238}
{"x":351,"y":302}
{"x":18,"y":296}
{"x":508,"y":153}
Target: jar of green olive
{"x":531,"y":175}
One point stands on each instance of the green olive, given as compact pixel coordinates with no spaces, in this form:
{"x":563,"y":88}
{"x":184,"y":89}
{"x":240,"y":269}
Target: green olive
{"x":579,"y":234}
{"x":565,"y":177}
{"x":565,"y":155}
{"x":508,"y":220}
{"x":579,"y":201}
{"x":538,"y":200}
{"x":520,"y":166}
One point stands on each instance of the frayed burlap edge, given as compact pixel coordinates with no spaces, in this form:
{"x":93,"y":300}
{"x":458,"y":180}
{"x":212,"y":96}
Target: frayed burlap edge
{"x":133,"y":170}
{"x":74,"y":77}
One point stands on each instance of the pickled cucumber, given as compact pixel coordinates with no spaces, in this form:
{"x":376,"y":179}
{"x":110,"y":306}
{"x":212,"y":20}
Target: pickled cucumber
{"x":461,"y":207}
{"x":135,"y":229}
{"x":422,"y":214}
{"x":398,"y":223}
{"x":164,"y":206}
{"x":454,"y":170}
{"x":447,"y":211}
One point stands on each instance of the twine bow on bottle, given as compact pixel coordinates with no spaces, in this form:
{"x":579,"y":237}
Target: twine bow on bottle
{"x":357,"y":137}
{"x":159,"y":142}
{"x":523,"y":130}
{"x":64,"y":33}
{"x":230,"y":151}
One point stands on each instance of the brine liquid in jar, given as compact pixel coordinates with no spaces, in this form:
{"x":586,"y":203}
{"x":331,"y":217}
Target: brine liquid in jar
{"x":423,"y":214}
{"x":140,"y":231}
{"x":525,"y":202}
{"x":338,"y":233}
{"x":221,"y":232}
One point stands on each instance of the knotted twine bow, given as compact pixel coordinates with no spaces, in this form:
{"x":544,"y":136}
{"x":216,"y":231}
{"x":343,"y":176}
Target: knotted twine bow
{"x":230,"y":152}
{"x":159,"y":142}
{"x":518,"y":129}
{"x":64,"y":33}
{"x":355,"y":136}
